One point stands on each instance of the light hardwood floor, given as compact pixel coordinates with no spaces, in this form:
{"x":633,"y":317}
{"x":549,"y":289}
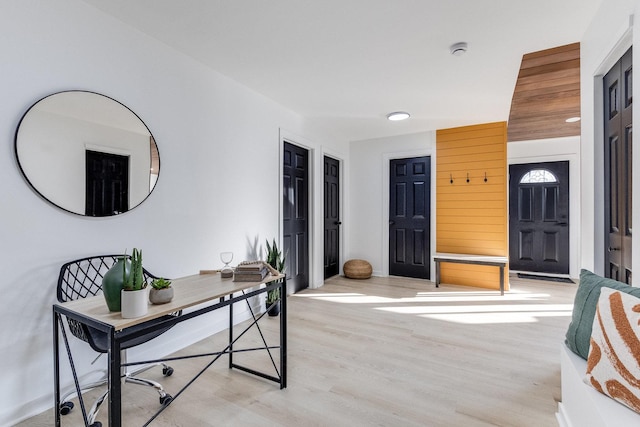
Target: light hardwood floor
{"x":386,"y":352}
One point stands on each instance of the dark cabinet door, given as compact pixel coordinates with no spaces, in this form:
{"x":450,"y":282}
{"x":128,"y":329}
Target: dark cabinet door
{"x":539,"y":217}
{"x":295,"y":210}
{"x":331,"y":217}
{"x":409,"y":217}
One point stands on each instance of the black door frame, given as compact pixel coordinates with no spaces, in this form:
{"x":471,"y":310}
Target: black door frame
{"x":594,"y":258}
{"x":298,"y":264}
{"x":289,"y":138}
{"x":513,"y":184}
{"x":340,"y":211}
{"x":617,"y":126}
{"x":410,"y":228}
{"x":573,"y":157}
{"x":386,"y":162}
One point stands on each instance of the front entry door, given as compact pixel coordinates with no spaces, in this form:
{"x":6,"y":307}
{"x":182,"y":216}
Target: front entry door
{"x":409,"y":217}
{"x":331,"y":217}
{"x":539,"y":217}
{"x":618,"y":172}
{"x":295,"y":216}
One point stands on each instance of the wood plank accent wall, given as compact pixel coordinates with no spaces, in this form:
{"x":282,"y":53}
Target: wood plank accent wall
{"x":547,"y":93}
{"x":471,"y":217}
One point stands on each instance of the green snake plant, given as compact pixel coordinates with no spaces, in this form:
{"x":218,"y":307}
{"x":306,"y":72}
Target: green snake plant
{"x":135,"y":281}
{"x":276,"y":260}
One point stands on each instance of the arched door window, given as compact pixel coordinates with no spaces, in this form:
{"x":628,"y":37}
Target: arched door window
{"x":538,"y":176}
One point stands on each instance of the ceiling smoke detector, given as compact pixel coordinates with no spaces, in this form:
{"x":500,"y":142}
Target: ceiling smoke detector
{"x":458,"y":49}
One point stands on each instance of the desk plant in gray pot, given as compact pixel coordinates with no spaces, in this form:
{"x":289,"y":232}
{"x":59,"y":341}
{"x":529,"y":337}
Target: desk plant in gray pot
{"x":161,"y":291}
{"x":276,"y":260}
{"x":135,"y":300}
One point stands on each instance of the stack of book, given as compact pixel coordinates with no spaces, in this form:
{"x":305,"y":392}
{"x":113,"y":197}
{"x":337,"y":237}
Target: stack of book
{"x":250,"y":272}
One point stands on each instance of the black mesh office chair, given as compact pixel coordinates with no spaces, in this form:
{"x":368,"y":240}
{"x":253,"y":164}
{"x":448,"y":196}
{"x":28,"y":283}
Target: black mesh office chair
{"x":82,"y":278}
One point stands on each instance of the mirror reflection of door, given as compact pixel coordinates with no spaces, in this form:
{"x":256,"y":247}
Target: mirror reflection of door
{"x":539,"y":217}
{"x":107,"y":184}
{"x":618,"y":168}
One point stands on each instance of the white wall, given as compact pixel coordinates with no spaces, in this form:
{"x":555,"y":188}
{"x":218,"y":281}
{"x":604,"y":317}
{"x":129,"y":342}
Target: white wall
{"x":216,"y":139}
{"x":368,"y":205}
{"x":555,"y":150}
{"x":608,"y":37}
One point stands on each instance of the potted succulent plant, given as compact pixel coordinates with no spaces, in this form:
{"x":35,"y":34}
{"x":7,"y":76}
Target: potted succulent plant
{"x":161,"y":291}
{"x":276,"y":260}
{"x":134,"y":291}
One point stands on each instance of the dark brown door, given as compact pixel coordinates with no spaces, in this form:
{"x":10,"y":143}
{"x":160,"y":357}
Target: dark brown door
{"x":295,"y":216}
{"x":331,"y":217}
{"x":617,"y":161}
{"x":107,"y":184}
{"x":539,"y":217}
{"x":409,"y":217}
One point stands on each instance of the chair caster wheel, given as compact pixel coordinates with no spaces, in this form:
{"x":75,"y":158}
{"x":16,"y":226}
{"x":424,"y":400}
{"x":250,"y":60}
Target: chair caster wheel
{"x":96,"y":424}
{"x":66,"y":407}
{"x":168,"y":371}
{"x":166,"y":399}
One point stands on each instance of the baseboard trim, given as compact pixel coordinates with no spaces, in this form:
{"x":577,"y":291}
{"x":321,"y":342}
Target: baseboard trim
{"x":561,"y":416}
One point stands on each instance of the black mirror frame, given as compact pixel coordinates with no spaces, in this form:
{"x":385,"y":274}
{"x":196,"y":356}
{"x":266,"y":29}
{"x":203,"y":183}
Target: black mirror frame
{"x":39,"y":193}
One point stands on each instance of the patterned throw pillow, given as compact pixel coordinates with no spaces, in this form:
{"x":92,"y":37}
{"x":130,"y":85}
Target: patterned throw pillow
{"x":578,"y":334}
{"x":613,"y":365}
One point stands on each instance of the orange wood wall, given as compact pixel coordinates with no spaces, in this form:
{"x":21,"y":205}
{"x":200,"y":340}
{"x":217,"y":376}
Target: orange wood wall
{"x":471,"y":217}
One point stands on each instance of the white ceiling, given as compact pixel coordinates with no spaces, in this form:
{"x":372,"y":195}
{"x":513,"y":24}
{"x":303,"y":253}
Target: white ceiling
{"x":345,"y":64}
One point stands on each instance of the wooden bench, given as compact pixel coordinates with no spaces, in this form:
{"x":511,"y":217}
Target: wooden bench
{"x":498,"y":261}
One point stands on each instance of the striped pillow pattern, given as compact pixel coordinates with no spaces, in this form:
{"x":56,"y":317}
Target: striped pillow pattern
{"x":613,"y":365}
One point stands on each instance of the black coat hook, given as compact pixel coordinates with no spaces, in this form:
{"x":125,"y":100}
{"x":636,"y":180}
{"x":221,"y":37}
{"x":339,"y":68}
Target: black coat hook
{"x":451,"y":178}
{"x":467,"y":176}
{"x":485,"y":177}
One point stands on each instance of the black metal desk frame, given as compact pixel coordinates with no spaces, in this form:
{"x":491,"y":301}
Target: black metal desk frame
{"x":114,"y":364}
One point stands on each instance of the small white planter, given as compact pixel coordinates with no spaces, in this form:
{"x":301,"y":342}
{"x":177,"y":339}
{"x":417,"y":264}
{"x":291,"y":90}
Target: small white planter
{"x":134,"y":303}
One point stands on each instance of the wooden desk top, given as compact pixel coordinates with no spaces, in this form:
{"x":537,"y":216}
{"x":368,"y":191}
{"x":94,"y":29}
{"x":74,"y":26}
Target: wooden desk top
{"x":188,"y":292}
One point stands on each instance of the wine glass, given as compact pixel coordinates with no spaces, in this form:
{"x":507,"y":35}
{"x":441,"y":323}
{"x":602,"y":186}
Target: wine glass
{"x":226,"y":258}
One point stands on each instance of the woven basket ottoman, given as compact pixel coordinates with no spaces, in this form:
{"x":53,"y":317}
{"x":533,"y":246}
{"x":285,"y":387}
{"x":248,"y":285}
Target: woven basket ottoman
{"x":357,"y":269}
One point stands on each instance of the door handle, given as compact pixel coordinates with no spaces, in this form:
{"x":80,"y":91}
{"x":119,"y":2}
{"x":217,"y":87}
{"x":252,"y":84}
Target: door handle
{"x":613,"y":249}
{"x":391,"y":222}
{"x":337,"y":222}
{"x":561,"y":223}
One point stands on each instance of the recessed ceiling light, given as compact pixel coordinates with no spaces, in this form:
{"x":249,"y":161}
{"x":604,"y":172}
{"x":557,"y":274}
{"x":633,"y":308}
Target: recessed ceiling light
{"x":572,"y":119}
{"x":398,"y":115}
{"x":458,"y":49}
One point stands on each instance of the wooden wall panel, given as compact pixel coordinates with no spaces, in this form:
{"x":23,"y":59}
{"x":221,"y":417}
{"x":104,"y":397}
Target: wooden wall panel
{"x":471,"y":217}
{"x":547,"y":93}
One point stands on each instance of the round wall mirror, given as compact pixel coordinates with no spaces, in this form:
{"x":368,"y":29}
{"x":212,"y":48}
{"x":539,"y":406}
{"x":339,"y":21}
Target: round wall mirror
{"x":87,"y":153}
